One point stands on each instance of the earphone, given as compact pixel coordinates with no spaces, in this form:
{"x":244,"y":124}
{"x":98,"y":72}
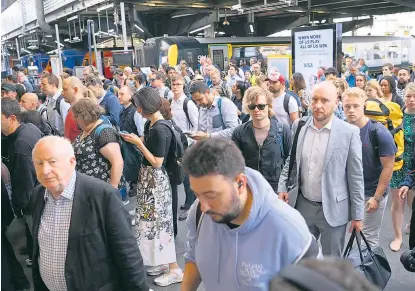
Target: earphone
{"x":240,"y":184}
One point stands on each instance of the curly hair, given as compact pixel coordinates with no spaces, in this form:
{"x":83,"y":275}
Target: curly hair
{"x":87,"y":110}
{"x":250,"y":98}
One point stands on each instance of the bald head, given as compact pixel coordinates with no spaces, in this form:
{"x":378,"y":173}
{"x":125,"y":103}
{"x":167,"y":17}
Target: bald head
{"x":29,"y":101}
{"x":323,"y":102}
{"x":328,"y":88}
{"x":73,"y":89}
{"x":54,"y":161}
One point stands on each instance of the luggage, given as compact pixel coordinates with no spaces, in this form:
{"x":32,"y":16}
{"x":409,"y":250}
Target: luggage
{"x":391,"y":116}
{"x":371,"y":262}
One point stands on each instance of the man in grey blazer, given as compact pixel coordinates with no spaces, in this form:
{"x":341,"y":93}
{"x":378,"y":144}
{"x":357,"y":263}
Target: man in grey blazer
{"x":328,"y":189}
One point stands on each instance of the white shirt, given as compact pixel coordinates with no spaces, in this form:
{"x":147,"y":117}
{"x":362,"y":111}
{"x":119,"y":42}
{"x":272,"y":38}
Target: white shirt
{"x":163,"y":92}
{"x":179,"y":116}
{"x":56,"y":119}
{"x":312,"y":160}
{"x":102,"y":97}
{"x":278,"y":107}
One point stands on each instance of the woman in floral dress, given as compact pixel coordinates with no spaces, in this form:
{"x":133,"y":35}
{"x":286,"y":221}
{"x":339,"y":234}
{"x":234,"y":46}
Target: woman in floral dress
{"x":154,"y":218}
{"x":397,"y":209}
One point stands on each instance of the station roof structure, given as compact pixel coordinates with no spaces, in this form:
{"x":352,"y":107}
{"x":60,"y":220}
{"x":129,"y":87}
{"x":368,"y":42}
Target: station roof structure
{"x":151,"y":18}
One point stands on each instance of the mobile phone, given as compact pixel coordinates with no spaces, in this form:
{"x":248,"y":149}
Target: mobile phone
{"x":124,"y":132}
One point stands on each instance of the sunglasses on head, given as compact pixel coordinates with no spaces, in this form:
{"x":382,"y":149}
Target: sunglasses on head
{"x":260,"y":106}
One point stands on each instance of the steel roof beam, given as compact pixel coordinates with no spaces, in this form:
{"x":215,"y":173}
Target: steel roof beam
{"x":407,"y":3}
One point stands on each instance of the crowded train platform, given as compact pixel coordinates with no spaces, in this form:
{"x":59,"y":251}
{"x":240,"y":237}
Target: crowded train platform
{"x":240,"y":163}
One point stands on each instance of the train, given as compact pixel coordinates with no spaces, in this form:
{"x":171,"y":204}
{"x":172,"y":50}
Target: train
{"x":375,"y":50}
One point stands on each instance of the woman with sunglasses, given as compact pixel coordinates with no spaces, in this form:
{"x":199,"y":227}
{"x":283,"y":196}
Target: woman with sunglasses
{"x":264,"y":141}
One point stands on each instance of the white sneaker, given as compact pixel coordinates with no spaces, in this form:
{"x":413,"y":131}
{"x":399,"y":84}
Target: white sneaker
{"x":132,"y":212}
{"x":169,"y":278}
{"x":133,"y":222}
{"x":126,"y":202}
{"x":157,"y":270}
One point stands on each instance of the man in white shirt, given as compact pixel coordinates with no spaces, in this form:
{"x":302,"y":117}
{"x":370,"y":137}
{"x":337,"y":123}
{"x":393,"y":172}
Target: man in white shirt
{"x":157,"y":81}
{"x":234,"y":75}
{"x":57,"y":108}
{"x":186,"y":116}
{"x":285,"y":106}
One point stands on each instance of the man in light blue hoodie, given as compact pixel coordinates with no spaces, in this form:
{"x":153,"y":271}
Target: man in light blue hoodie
{"x":239,"y":234}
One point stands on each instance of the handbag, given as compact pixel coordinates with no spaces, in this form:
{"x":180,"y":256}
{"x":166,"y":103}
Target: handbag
{"x":373,"y":263}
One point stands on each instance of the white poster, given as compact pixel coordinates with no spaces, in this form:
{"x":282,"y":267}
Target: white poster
{"x":313,"y":50}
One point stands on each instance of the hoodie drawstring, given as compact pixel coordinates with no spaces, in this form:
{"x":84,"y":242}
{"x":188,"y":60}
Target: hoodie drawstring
{"x":236,"y":259}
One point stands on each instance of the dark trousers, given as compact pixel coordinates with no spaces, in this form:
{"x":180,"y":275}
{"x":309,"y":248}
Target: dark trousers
{"x":190,"y":195}
{"x":29,"y":240}
{"x":12,"y":275}
{"x":175,"y":201}
{"x":412,"y":228}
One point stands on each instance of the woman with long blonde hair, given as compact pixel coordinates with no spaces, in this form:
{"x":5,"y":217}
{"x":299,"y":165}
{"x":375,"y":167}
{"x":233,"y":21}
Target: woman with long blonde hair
{"x":373,"y":90}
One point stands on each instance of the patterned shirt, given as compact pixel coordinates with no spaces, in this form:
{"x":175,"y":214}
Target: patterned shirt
{"x":53,"y":237}
{"x":400,"y":92}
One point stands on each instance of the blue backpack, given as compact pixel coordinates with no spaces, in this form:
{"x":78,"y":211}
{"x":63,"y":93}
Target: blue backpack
{"x":131,"y":155}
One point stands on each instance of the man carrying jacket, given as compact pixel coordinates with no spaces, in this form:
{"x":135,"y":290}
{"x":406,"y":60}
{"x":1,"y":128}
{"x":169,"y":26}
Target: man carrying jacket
{"x":264,"y":141}
{"x":82,"y":231}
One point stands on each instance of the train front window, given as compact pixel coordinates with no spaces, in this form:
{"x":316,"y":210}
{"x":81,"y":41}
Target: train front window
{"x":164,"y":52}
{"x":218,"y":58}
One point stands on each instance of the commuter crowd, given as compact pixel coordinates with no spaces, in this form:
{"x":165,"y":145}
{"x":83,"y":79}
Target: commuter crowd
{"x":279,"y":169}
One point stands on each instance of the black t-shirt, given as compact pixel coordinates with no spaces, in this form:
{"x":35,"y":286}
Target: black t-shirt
{"x":157,"y":140}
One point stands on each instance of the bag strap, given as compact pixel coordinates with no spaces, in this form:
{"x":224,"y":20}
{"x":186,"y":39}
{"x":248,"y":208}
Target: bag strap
{"x":293,"y":154}
{"x":166,"y":93}
{"x":173,"y":137}
{"x":384,"y":109}
{"x":58,"y":104}
{"x":286,"y":103}
{"x":99,"y":129}
{"x":373,"y":137}
{"x":280,"y":130}
{"x":199,"y":218}
{"x":220,"y":111}
{"x":186,"y":110}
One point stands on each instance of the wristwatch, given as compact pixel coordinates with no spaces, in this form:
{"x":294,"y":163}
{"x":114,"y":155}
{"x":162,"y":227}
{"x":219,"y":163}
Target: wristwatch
{"x":378,"y":199}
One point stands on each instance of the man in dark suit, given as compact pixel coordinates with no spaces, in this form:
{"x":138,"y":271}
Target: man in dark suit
{"x":81,"y":230}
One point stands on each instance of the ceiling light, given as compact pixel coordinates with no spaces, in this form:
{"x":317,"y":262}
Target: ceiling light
{"x":72,"y":18}
{"x":67,"y":40}
{"x":139,"y":28}
{"x":295,"y":10}
{"x":251,"y":28}
{"x":105,"y":7}
{"x":226,"y":22}
{"x":49,"y":35}
{"x":221,"y":32}
{"x":199,"y":29}
{"x":183,"y":15}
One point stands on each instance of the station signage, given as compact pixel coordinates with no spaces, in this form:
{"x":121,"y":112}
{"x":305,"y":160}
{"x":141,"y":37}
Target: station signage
{"x":315,"y":48}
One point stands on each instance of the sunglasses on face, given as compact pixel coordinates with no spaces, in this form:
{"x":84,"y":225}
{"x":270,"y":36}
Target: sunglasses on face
{"x":260,"y":106}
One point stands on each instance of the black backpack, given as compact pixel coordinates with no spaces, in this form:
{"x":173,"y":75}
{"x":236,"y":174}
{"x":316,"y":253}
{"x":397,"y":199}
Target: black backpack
{"x":58,"y":104}
{"x":175,"y":155}
{"x":51,"y":129}
{"x":286,"y":103}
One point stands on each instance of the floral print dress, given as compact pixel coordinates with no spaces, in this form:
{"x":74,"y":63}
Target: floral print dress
{"x":409,"y":147}
{"x":89,"y":160}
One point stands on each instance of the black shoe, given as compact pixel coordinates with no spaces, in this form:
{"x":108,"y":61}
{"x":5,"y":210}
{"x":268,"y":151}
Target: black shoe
{"x":183,"y":215}
{"x":133,"y":191}
{"x":185,"y":207}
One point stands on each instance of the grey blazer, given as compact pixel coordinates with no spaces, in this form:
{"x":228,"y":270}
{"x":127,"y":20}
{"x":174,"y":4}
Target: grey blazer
{"x":342,"y":181}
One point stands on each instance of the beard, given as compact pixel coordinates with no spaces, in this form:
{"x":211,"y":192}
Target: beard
{"x":233,"y":212}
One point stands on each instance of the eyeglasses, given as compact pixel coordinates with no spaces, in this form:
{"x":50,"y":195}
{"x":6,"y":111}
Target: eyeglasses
{"x":260,"y":106}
